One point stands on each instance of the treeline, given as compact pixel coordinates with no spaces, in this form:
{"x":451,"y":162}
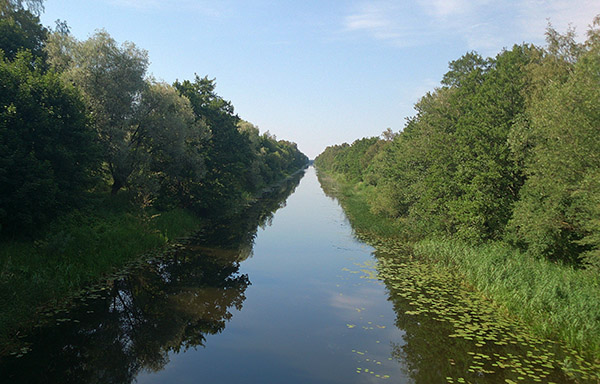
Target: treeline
{"x":506,"y":149}
{"x":85,"y":116}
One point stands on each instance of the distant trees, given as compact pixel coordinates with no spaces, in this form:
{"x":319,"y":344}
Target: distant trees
{"x":506,"y":149}
{"x":237,"y":158}
{"x":76,"y":114}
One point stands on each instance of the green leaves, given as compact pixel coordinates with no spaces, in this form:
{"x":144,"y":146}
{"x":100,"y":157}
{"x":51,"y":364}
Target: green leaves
{"x":507,"y":149}
{"x":557,"y":213}
{"x":48,"y":153}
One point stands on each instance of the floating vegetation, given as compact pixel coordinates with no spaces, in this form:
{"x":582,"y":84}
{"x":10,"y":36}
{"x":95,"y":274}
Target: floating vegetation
{"x":495,"y":347}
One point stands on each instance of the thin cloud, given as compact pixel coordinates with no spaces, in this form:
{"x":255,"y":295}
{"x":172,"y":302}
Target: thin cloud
{"x":483,"y":25}
{"x":384,"y":21}
{"x":446,"y":8}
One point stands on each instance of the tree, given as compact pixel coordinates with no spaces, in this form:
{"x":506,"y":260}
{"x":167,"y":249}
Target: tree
{"x":34,"y":6}
{"x":228,"y":152}
{"x":111,"y":78}
{"x":557,"y":214}
{"x":48,"y":153}
{"x":167,"y":145}
{"x":20,"y":30}
{"x":487,"y":178}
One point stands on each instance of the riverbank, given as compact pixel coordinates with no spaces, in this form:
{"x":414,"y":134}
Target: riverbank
{"x":556,"y":302}
{"x":82,"y":248}
{"x":75,"y":251}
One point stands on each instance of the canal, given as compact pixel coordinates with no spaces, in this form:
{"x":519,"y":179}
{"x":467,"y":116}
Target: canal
{"x":285,"y":293}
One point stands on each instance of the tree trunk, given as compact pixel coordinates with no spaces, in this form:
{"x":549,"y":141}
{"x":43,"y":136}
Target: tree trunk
{"x":117,"y":185}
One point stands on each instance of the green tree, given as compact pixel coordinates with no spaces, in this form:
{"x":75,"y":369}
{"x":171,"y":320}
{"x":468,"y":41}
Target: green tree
{"x":557,"y":215}
{"x":111,"y":78}
{"x":167,"y":146}
{"x":20,"y":30}
{"x":414,"y":173}
{"x":228,"y":151}
{"x":34,"y":6}
{"x":48,"y":153}
{"x":487,"y":177}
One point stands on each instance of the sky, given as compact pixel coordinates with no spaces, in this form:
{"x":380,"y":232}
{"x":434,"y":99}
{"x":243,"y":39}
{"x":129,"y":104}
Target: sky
{"x":319,"y":72}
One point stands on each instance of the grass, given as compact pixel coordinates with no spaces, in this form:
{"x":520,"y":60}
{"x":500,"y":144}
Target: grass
{"x":76,"y":250}
{"x":556,"y":301}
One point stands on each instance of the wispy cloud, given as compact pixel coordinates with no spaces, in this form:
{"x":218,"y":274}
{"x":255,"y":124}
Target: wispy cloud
{"x":447,"y":8}
{"x":386,"y":21}
{"x":483,"y":25}
{"x":139,"y":4}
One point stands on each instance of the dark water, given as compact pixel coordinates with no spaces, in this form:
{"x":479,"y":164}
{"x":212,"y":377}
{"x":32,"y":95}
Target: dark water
{"x":284,"y":293}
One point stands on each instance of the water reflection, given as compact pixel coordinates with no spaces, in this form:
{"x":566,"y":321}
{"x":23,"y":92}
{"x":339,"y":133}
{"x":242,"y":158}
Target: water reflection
{"x":168,"y":305}
{"x":453,"y":334}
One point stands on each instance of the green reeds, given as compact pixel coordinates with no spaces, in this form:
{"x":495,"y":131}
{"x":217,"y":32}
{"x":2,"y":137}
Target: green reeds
{"x":556,"y":301}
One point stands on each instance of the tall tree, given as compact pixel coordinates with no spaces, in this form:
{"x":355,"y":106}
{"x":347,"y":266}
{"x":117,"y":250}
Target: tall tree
{"x":228,"y":152}
{"x":111,"y":78}
{"x":167,"y":145}
{"x":557,"y":215}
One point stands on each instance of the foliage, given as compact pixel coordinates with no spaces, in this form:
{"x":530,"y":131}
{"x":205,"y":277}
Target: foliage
{"x":33,"y":6}
{"x":555,"y":301}
{"x":48,"y":153}
{"x":228,"y":150}
{"x":506,"y":149}
{"x":562,"y":190}
{"x":166,"y":147}
{"x":20,"y":30}
{"x":237,"y":158}
{"x":111,"y":78}
{"x":81,"y":118}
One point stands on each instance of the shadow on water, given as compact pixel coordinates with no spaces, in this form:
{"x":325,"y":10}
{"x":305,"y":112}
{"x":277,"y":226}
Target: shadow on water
{"x":167,"y":304}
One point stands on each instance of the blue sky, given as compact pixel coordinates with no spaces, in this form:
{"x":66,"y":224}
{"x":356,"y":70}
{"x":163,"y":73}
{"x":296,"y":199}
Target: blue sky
{"x":319,"y":72}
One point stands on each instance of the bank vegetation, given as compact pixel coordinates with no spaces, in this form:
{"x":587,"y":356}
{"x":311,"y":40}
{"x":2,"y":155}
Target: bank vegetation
{"x":100,"y":162}
{"x":498,"y":175}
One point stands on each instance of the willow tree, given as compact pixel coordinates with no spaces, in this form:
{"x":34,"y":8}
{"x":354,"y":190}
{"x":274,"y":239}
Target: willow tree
{"x":111,"y":78}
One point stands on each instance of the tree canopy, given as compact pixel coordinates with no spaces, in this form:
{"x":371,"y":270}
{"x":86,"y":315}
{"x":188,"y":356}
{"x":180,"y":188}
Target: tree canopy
{"x":506,"y":149}
{"x":77,"y":117}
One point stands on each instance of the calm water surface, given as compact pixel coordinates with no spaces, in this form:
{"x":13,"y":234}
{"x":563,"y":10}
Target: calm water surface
{"x":294,"y":324}
{"x":285,"y":297}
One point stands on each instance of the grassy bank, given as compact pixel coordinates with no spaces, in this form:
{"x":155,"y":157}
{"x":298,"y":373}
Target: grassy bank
{"x":555,"y":301}
{"x":76,"y":250}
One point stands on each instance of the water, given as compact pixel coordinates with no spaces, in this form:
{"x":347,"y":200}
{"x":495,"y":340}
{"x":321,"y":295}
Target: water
{"x":283,"y":294}
{"x":294,"y":323}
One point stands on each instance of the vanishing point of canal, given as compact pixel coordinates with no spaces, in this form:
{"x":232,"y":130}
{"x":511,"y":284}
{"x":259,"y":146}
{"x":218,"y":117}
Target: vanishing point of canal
{"x":284,"y":294}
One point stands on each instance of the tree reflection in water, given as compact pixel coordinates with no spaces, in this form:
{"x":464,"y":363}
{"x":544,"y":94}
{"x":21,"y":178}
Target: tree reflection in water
{"x":166,"y":306}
